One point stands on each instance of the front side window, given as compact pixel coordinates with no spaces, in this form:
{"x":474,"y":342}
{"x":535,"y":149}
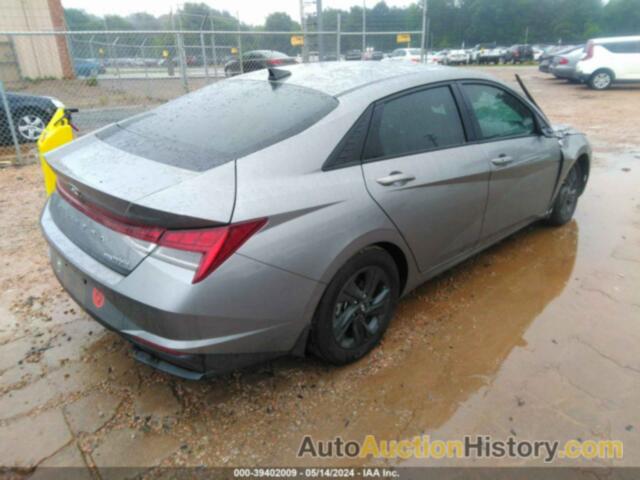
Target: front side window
{"x":419,"y":121}
{"x":499,"y":113}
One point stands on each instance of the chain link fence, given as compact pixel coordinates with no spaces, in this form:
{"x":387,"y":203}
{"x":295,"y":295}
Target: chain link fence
{"x":112,"y":75}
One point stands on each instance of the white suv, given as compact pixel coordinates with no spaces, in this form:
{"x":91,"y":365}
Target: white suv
{"x":609,"y":60}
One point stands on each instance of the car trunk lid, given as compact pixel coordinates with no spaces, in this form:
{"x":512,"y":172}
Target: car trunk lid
{"x":109,"y":201}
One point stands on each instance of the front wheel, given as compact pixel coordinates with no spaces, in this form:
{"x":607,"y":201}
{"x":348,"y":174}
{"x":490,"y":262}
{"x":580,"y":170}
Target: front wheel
{"x":356,"y":308}
{"x":567,"y":199}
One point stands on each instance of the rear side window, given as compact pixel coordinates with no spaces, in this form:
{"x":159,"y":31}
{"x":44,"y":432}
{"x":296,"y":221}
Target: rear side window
{"x":416,"y":122}
{"x":498,"y":113}
{"x":220,"y":123}
{"x":623,"y":47}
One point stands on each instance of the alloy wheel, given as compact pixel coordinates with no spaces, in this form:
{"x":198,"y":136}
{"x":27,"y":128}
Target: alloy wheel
{"x":361,"y":306}
{"x":30,"y":127}
{"x":569,"y":194}
{"x":602,"y":80}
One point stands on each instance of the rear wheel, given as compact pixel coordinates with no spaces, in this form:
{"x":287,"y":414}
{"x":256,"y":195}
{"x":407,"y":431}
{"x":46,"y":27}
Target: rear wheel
{"x":601,"y":80}
{"x":567,"y":199}
{"x":356,"y":308}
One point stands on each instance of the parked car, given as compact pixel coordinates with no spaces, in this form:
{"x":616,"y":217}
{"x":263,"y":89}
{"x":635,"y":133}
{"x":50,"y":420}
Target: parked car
{"x":480,"y":53}
{"x":374,"y":55}
{"x":88,"y":68}
{"x":519,"y":54}
{"x":30,"y":115}
{"x":493,"y":55}
{"x":610,"y":60}
{"x":564,"y":66}
{"x":546,"y":58}
{"x":457,"y":57}
{"x":257,"y":60}
{"x":352,"y":55}
{"x":404,"y":55}
{"x":210,"y":248}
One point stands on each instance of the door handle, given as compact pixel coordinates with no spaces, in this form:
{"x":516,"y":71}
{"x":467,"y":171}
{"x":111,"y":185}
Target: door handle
{"x":502,"y":160}
{"x":395,"y":179}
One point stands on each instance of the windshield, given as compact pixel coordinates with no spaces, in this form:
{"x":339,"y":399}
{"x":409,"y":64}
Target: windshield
{"x":220,"y":123}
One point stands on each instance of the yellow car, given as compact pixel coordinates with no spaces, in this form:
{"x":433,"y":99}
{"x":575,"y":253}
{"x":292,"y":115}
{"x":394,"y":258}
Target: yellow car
{"x":58,"y":132}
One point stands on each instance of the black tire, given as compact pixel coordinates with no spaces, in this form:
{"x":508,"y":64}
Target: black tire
{"x":601,"y":80}
{"x":567,"y":199}
{"x":348,"y":325}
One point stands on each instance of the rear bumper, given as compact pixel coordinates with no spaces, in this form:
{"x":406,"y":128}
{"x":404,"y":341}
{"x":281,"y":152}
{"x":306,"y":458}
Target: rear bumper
{"x":564,"y":72}
{"x":244,"y":313}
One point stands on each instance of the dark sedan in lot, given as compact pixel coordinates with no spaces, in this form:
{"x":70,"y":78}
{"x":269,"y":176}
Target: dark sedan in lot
{"x":30,"y":115}
{"x":257,"y":60}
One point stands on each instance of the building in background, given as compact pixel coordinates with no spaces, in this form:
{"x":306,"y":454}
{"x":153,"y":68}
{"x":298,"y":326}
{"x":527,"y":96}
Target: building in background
{"x":33,"y":56}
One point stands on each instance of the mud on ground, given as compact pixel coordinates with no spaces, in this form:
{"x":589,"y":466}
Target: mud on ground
{"x":535,"y":338}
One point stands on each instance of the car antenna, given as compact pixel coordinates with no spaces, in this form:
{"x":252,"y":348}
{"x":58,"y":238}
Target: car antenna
{"x":276,"y":74}
{"x":526,"y":92}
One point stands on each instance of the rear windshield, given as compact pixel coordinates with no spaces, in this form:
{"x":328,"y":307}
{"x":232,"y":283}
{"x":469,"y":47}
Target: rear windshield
{"x":220,"y":123}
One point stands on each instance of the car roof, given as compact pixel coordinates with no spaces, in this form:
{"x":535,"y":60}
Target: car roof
{"x":341,"y":78}
{"x":631,"y":38}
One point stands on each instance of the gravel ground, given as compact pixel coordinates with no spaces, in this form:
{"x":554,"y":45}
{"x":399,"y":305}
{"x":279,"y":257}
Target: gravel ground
{"x":537,"y":337}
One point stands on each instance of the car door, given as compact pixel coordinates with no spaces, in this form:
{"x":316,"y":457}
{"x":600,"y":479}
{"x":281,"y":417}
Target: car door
{"x":419,"y":169}
{"x":524,"y":163}
{"x":626,"y":59}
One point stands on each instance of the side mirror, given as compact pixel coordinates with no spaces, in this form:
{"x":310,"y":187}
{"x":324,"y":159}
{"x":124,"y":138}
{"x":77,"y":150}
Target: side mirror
{"x":551,"y":133}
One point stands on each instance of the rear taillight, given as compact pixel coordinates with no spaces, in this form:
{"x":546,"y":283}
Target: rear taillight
{"x":563,"y":61}
{"x":275,"y":61}
{"x":111,"y":220}
{"x":589,"y":51}
{"x":215,"y":244}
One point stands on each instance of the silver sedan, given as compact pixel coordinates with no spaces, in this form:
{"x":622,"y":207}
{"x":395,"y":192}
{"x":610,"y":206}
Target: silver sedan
{"x":286,"y":211}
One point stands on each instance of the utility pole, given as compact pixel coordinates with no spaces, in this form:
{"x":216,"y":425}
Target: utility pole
{"x":526,"y":36}
{"x":423,"y":40}
{"x":364,"y":25}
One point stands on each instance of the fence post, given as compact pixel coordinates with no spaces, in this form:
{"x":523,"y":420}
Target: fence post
{"x":364,"y":26}
{"x":213,"y":48}
{"x":338,"y":38}
{"x":204,"y":56}
{"x":240,"y":46}
{"x":423,"y":37}
{"x":183,"y":61}
{"x":7,"y":112}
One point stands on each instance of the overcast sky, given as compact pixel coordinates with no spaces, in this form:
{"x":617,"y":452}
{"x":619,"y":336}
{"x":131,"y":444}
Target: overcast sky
{"x":251,"y":11}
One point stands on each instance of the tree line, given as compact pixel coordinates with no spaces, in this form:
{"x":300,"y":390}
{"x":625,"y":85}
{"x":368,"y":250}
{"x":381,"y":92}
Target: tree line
{"x":452,"y":23}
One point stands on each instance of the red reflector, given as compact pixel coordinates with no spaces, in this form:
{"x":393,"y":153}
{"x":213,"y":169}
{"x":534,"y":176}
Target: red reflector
{"x":155,"y":346}
{"x":215,"y":244}
{"x":110,"y":220}
{"x":97,"y":297}
{"x":563,"y":61}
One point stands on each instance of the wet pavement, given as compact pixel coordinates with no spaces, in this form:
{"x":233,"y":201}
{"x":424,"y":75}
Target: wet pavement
{"x":535,"y":338}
